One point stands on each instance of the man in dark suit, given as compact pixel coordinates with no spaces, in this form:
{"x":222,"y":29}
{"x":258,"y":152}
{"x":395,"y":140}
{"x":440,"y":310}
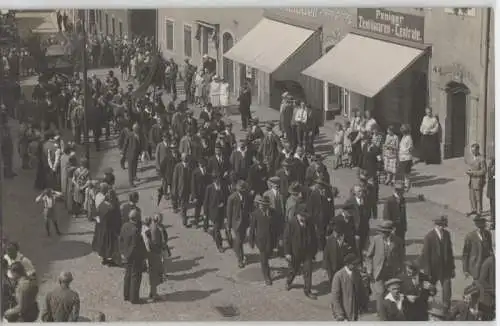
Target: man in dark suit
{"x":356,"y":207}
{"x":199,"y":182}
{"x":287,"y":177}
{"x":240,"y":160}
{"x":214,"y":205}
{"x":437,"y":258}
{"x":126,"y":208}
{"x":335,"y":251}
{"x":161,"y":152}
{"x":478,"y":246}
{"x":239,"y":206}
{"x":133,"y":252}
{"x":301,"y":246}
{"x":395,"y":210}
{"x":257,"y":177}
{"x":301,"y":164}
{"x":218,"y":163}
{"x":261,"y":233}
{"x":132,"y":150}
{"x":167,"y":171}
{"x":321,"y":206}
{"x":418,"y":290}
{"x":487,"y":282}
{"x":317,"y":167}
{"x":369,"y":152}
{"x":181,"y":183}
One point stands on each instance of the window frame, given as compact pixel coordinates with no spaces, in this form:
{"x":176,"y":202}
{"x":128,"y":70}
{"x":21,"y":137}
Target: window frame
{"x":167,"y":21}
{"x":184,"y":25}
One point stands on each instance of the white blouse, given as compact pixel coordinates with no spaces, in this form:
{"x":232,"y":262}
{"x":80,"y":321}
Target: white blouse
{"x":429,"y":126}
{"x":405,"y":148}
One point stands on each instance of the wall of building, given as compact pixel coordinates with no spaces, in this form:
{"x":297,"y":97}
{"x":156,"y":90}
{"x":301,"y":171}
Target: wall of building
{"x":490,"y":140}
{"x":122,"y":16}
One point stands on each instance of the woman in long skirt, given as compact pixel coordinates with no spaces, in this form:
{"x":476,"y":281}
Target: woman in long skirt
{"x":70,"y":170}
{"x":430,"y":151}
{"x":198,"y":88}
{"x":215,"y":92}
{"x":80,"y":178}
{"x":390,"y":153}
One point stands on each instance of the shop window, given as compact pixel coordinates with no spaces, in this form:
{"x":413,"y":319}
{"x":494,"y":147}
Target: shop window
{"x":169,"y":34}
{"x":188,"y":41}
{"x":113,"y":26}
{"x":120,"y":28}
{"x":334,"y":102}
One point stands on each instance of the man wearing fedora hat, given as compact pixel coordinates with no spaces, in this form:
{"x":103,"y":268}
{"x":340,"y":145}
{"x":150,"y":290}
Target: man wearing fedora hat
{"x":395,"y":210}
{"x":321,"y":206}
{"x":257,"y":177}
{"x":357,"y":208}
{"x":301,"y":246}
{"x":240,"y":161}
{"x":301,"y":164}
{"x":269,"y":149}
{"x":336,"y":250}
{"x":287,"y":176}
{"x":418,"y":290}
{"x":214,"y":204}
{"x":317,"y":167}
{"x":295,"y":199}
{"x":349,"y":294}
{"x":478,"y":246}
{"x":199,"y":182}
{"x":239,"y":206}
{"x":384,"y":259}
{"x":394,"y":306}
{"x":437,"y":259}
{"x":263,"y":234}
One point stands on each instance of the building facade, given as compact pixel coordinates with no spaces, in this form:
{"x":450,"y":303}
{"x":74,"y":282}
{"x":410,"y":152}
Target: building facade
{"x":110,"y":21}
{"x":444,"y":61}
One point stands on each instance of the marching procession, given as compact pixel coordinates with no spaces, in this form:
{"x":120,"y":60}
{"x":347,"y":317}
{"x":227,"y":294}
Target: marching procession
{"x":269,"y":190}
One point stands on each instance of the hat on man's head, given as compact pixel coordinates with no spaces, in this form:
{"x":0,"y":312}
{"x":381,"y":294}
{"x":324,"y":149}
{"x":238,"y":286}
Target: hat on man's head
{"x":263,"y":200}
{"x":108,"y":170}
{"x":441,"y":220}
{"x":386,"y":226}
{"x":351,"y":259}
{"x":392,"y":281}
{"x":274,"y":180}
{"x":437,"y":311}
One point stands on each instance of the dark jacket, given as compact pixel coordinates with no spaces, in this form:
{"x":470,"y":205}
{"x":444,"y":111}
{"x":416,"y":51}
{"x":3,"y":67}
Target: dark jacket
{"x":133,"y":146}
{"x":333,"y":255}
{"x":437,"y":256}
{"x":262,"y":231}
{"x":199,"y":183}
{"x":181,"y":181}
{"x":132,"y":246}
{"x":257,"y":178}
{"x":475,"y":252}
{"x":300,"y":242}
{"x":417,"y":311}
{"x":238,"y":211}
{"x":214,"y":203}
{"x":395,"y":211}
{"x":390,"y":312}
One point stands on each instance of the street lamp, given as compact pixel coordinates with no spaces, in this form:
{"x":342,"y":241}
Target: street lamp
{"x":85,"y":90}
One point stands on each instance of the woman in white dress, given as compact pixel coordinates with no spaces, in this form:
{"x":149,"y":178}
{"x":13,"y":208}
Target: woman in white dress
{"x":198,"y":87}
{"x":224,"y":95}
{"x":215,"y":92}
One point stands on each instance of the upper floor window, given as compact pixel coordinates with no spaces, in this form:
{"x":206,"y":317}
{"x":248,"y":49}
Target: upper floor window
{"x":169,"y":34}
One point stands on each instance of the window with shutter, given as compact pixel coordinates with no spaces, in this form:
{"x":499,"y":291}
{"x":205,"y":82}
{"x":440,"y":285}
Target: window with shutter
{"x":169,"y":35}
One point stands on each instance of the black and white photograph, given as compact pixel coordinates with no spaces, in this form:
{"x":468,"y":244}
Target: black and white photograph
{"x":247,"y":164}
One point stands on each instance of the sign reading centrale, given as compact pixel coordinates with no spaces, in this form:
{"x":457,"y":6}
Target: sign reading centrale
{"x":390,"y":23}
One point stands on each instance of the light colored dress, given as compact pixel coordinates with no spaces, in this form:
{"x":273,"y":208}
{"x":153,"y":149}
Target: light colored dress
{"x":198,"y":82}
{"x":390,"y":153}
{"x":224,"y":94}
{"x":215,"y":93}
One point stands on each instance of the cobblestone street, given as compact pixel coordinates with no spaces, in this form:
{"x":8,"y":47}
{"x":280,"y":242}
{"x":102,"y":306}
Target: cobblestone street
{"x":203,"y":284}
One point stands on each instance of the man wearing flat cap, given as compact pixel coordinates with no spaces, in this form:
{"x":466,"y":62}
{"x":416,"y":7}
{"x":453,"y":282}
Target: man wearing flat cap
{"x":478,"y":246}
{"x":384,"y":259}
{"x":133,"y":253}
{"x":62,"y":304}
{"x":301,"y":246}
{"x":239,"y":207}
{"x":349,"y":294}
{"x":395,"y":305}
{"x":262,"y":233}
{"x":418,"y":290}
{"x":437,"y":259}
{"x":468,"y":308}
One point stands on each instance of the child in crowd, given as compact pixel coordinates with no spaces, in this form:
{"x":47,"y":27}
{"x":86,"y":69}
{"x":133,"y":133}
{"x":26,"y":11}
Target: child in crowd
{"x":338,"y":146}
{"x":347,"y":150}
{"x":48,"y":197}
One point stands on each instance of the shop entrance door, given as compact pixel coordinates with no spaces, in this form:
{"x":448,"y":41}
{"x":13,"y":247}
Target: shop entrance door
{"x":457,"y":108}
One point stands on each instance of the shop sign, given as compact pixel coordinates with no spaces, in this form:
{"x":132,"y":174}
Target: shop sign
{"x":393,"y":24}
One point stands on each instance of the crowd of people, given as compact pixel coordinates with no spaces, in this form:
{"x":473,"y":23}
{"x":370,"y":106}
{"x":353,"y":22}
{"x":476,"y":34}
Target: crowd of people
{"x":268,"y":189}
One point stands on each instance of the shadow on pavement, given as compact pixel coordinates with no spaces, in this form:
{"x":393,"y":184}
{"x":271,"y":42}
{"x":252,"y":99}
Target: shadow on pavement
{"x":69,"y":249}
{"x":188,"y":295}
{"x":184,"y":265}
{"x":192,"y":275}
